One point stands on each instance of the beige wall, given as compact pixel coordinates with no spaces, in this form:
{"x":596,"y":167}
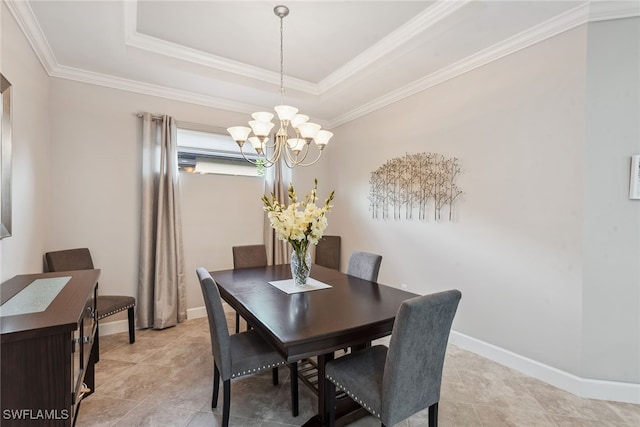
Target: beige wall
{"x":517,"y":126}
{"x":95,"y":167}
{"x":22,"y":252}
{"x":611,"y":244}
{"x":544,"y":154}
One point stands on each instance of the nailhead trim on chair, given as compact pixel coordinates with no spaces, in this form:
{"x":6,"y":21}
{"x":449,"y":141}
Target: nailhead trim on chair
{"x":250,"y":371}
{"x":357,"y":399}
{"x":102,"y":316}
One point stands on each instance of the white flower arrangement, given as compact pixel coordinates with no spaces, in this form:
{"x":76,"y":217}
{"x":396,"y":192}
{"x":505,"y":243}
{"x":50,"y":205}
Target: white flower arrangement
{"x":299,"y":227}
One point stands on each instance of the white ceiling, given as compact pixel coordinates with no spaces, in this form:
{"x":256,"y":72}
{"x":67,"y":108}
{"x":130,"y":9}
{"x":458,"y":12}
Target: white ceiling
{"x":342,"y":59}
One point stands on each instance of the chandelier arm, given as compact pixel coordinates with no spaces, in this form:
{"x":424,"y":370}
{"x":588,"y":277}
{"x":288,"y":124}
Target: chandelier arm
{"x":298,"y":159}
{"x":310,"y":163}
{"x":277,"y":150}
{"x":248,"y":159}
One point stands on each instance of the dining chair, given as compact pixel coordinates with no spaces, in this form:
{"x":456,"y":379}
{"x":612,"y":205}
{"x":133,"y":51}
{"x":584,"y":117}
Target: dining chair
{"x":328,"y":252}
{"x":364,"y":265}
{"x":239,"y":354}
{"x":106,"y":305}
{"x":248,"y":256}
{"x":396,"y":382}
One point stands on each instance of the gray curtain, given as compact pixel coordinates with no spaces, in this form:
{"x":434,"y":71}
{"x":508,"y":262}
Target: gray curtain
{"x":161,"y":281}
{"x":277,"y":180}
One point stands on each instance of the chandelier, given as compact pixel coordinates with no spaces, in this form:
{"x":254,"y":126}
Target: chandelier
{"x":293,"y":138}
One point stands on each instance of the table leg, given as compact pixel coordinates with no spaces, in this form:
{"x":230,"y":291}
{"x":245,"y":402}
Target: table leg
{"x":347,"y":411}
{"x":323,"y":410}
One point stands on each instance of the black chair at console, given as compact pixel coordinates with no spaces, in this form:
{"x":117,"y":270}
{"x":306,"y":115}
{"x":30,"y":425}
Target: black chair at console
{"x":107,"y":305}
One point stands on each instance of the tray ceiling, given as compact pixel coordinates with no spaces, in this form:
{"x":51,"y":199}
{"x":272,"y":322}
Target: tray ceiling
{"x":342,"y":59}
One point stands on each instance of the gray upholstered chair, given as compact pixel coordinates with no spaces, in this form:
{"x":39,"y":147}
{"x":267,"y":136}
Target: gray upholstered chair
{"x":106,"y":305}
{"x":248,"y":256}
{"x":364,"y":265}
{"x":328,"y":252}
{"x":396,"y":382}
{"x":239,"y":354}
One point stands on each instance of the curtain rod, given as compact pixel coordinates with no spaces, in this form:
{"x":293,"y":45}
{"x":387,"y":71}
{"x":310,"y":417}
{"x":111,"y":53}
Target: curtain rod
{"x":152,"y":116}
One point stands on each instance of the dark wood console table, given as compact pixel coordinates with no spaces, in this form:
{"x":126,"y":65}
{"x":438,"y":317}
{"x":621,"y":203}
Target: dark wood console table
{"x":48,"y":327}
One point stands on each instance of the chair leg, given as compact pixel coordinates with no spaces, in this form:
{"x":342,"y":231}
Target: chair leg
{"x":274,"y":375}
{"x":226,"y":405}
{"x":237,"y":322}
{"x":132,"y":326}
{"x":433,"y":415}
{"x":216,"y":386}
{"x":293,"y":369}
{"x":330,"y":397}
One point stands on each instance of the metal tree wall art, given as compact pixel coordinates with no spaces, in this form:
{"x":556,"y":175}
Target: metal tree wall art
{"x":414,"y":183}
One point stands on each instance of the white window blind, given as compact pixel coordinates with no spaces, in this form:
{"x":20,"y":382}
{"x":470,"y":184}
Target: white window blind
{"x":204,"y":149}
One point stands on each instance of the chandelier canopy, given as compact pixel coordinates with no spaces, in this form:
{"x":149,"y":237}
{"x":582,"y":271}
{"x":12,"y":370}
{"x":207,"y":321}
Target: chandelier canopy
{"x":296,"y":132}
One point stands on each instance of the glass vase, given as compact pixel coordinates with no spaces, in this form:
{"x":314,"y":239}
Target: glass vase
{"x":300,"y":266}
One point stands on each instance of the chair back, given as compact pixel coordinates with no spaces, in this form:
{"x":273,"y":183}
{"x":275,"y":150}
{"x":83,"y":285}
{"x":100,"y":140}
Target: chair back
{"x":69,"y":259}
{"x":328,"y":252}
{"x":249,"y":256}
{"x":364,"y":265}
{"x":413,"y":369}
{"x":220,"y":341}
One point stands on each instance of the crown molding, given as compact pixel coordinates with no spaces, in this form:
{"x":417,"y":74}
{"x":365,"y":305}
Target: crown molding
{"x":604,"y":10}
{"x":118,"y":83}
{"x":586,"y":12}
{"x":411,"y":29}
{"x":162,"y":47}
{"x":23,"y":14}
{"x":552,"y":27}
{"x":112,"y":82}
{"x":418,"y":24}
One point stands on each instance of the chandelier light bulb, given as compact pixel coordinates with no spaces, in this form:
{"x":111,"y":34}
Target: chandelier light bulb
{"x":257,"y":145}
{"x":308,"y":130}
{"x":262,"y":116}
{"x":296,"y":144}
{"x":285,"y":112}
{"x":322,"y":138}
{"x":261,"y":129}
{"x":297,"y":120}
{"x":239,"y":134}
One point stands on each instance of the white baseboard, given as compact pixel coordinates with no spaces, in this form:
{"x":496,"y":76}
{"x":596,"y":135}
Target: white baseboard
{"x":583,"y":387}
{"x":117,"y":326}
{"x":195,"y":313}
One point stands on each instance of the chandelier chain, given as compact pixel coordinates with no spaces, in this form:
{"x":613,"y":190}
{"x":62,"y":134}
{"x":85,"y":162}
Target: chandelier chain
{"x":281,"y":62}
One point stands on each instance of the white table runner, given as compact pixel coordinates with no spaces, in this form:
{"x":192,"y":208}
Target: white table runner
{"x":34,"y":298}
{"x":288,"y":286}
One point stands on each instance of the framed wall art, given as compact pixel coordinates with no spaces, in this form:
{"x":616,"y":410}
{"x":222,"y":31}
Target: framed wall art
{"x":5,"y":157}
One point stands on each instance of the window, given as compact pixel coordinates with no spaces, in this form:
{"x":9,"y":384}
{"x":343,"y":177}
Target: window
{"x":204,"y":149}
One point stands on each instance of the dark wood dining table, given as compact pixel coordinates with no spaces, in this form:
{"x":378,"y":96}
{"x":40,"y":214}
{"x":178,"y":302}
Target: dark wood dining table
{"x":315,"y":323}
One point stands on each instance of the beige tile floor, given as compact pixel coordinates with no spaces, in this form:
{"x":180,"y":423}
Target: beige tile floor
{"x":165,"y":379}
